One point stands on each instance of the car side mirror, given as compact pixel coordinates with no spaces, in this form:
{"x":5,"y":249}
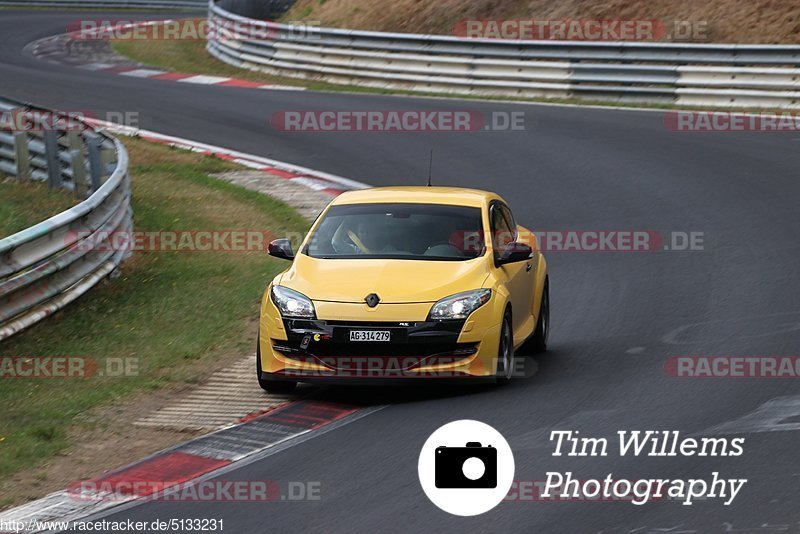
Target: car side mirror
{"x":514,"y":252}
{"x":281,"y":248}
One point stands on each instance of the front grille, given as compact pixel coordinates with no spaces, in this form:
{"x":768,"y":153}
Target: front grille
{"x":387,"y":350}
{"x":413,"y":344}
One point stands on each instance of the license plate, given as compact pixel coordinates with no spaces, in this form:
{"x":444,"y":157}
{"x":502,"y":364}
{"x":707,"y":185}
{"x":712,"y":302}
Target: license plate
{"x":369,"y":335}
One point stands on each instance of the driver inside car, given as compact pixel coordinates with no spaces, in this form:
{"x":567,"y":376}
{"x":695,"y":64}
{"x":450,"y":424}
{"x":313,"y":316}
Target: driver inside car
{"x":364,"y":237}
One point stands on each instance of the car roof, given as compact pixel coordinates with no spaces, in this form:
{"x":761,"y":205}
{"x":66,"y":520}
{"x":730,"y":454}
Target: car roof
{"x":456,"y":196}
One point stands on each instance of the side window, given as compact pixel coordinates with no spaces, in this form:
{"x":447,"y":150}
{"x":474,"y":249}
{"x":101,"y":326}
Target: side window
{"x":502,"y":234}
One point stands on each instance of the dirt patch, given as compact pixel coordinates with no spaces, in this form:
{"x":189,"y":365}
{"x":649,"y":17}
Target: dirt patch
{"x":728,"y":21}
{"x":105,"y":439}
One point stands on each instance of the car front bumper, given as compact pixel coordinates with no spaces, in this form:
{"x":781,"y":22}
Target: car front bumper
{"x":419,"y":350}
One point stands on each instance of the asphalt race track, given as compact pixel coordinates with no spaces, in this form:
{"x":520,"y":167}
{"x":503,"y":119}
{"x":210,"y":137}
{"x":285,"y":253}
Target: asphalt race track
{"x":617,"y":316}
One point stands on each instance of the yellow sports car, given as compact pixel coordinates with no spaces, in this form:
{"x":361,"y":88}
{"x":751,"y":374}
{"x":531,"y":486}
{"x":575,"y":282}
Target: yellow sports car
{"x":400,"y":283}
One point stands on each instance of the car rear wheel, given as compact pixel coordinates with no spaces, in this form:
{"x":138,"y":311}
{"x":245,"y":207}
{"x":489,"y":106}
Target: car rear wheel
{"x":505,"y":351}
{"x":271,"y":386}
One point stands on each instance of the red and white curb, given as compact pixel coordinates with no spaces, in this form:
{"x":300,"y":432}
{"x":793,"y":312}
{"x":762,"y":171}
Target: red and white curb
{"x":107,"y":32}
{"x":313,"y":179}
{"x":197,"y":79}
{"x":205,"y":457}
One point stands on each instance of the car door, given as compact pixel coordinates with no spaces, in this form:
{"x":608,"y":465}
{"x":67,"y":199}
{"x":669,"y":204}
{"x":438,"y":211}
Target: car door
{"x":519,"y":275}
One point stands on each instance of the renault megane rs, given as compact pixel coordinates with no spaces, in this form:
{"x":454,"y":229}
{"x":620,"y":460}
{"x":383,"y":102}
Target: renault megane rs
{"x":401,"y":283}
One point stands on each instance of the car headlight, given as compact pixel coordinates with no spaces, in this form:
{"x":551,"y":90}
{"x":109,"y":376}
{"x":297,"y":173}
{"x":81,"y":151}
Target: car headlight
{"x":292,"y":303}
{"x":460,"y":305}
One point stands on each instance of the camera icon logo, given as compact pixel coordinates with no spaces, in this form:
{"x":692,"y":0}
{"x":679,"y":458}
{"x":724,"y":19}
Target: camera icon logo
{"x":472,"y":466}
{"x":466,"y":467}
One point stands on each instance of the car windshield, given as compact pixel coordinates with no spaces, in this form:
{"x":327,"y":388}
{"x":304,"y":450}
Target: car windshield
{"x":399,"y":231}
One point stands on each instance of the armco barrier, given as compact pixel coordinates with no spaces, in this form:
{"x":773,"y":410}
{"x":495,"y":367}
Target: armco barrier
{"x":50,"y":264}
{"x":727,"y":75}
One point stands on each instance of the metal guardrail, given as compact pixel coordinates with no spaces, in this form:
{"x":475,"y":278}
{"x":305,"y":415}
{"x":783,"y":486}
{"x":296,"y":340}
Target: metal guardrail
{"x":108,"y":4}
{"x":729,"y":75}
{"x":50,"y":264}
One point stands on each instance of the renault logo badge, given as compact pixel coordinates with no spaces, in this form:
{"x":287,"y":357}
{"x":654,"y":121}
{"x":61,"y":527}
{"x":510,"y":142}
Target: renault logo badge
{"x":372,"y":300}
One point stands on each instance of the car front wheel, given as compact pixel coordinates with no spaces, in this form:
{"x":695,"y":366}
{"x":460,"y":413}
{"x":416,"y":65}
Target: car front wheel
{"x":505,"y":351}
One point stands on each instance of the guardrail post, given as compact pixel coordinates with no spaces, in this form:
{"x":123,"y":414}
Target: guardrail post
{"x":96,"y":170}
{"x":109,"y":158}
{"x":51,"y":156}
{"x":77,"y":163}
{"x":22,"y":156}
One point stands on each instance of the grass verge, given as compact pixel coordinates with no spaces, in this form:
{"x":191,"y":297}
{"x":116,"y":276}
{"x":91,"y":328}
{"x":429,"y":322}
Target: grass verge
{"x":191,"y":57}
{"x":23,"y":204}
{"x":175,"y":313}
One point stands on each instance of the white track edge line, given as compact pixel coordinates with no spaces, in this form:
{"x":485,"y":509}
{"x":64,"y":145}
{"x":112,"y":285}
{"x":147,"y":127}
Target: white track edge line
{"x":129,"y":131}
